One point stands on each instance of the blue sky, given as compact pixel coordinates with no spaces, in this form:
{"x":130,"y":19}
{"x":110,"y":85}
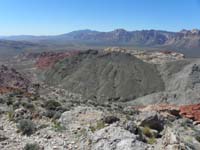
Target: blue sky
{"x":47,"y":17}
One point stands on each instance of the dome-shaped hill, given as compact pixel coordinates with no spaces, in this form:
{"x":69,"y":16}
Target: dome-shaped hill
{"x":106,"y":76}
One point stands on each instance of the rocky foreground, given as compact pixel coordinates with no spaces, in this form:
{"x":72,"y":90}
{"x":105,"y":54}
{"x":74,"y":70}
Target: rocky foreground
{"x":56,"y":119}
{"x":70,"y":125}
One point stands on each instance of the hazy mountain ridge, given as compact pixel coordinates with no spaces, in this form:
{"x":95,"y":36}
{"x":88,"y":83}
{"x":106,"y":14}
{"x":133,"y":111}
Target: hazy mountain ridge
{"x":185,"y":41}
{"x":119,"y":35}
{"x":8,"y":47}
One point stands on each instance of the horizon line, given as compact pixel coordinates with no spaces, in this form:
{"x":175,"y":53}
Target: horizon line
{"x":37,"y":35}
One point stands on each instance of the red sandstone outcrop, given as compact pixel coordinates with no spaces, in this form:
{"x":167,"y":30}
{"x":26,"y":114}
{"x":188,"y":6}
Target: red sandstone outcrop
{"x":191,"y":112}
{"x":48,"y":59}
{"x":187,"y":111}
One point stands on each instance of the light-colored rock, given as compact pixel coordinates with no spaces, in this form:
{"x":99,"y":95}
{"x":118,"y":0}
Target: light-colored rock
{"x":171,"y":141}
{"x":22,"y":113}
{"x":151,"y":119}
{"x":115,"y":138}
{"x":155,"y":57}
{"x":80,"y":117}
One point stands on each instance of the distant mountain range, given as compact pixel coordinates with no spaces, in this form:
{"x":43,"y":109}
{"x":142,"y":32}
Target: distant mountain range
{"x":186,"y":41}
{"x":8,"y":47}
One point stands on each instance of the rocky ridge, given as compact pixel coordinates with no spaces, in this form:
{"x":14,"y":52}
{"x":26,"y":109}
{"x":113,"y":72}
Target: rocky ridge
{"x":105,"y":76}
{"x":48,"y":59}
{"x":155,"y":57}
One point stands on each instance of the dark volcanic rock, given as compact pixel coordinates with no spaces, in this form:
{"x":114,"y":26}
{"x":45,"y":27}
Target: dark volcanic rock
{"x":106,"y":76}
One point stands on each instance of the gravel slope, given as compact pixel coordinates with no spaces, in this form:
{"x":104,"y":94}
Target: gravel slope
{"x":106,"y":76}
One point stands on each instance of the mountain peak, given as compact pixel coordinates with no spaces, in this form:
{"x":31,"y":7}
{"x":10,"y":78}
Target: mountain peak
{"x":120,"y":30}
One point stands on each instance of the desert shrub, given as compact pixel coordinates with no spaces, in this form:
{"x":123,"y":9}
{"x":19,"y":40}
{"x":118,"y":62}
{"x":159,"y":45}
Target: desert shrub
{"x":110,"y":119}
{"x":99,"y":125}
{"x":52,"y":105}
{"x":26,"y":126}
{"x":151,"y":140}
{"x":57,"y":126}
{"x":52,"y":114}
{"x":32,"y":146}
{"x":147,"y":132}
{"x":2,"y":101}
{"x":10,"y":115}
{"x":28,"y":106}
{"x":9,"y":101}
{"x":16,"y":105}
{"x":53,"y":109}
{"x":197,"y":138}
{"x":149,"y":136}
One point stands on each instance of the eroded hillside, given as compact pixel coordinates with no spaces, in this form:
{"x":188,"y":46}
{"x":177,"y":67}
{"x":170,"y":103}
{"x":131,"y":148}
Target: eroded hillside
{"x":106,"y":76}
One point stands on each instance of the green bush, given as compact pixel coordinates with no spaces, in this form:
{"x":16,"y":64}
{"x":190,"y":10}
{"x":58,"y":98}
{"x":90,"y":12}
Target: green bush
{"x":28,"y":106}
{"x":147,"y":132}
{"x":52,"y":105}
{"x":10,"y":115}
{"x":151,"y":140}
{"x":32,"y":146}
{"x":150,"y":136}
{"x":26,"y":126}
{"x":57,"y":126}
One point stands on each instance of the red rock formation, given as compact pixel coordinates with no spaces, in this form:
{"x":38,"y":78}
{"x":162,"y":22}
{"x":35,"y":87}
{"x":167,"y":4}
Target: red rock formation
{"x":191,"y":112}
{"x":187,"y":111}
{"x":48,"y":59}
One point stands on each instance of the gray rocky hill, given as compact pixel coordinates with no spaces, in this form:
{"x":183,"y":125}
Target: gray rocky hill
{"x":106,"y":76}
